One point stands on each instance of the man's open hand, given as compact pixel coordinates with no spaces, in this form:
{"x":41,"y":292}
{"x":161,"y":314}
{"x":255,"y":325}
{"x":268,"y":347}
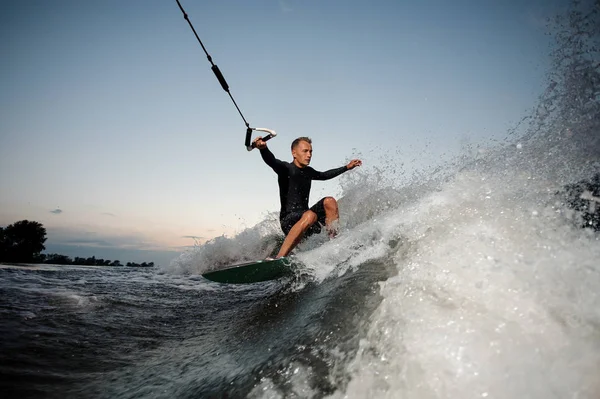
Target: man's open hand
{"x":353,"y":164}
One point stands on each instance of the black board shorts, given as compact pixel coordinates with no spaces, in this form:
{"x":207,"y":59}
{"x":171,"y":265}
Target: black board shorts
{"x":293,"y":217}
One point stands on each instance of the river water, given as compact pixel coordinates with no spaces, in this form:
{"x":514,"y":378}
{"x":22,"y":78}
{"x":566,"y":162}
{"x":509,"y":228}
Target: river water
{"x":477,"y":280}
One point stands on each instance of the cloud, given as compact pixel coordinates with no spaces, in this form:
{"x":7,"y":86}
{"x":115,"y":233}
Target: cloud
{"x":56,"y":211}
{"x":109,"y":214}
{"x":193,"y":237}
{"x":90,"y":242}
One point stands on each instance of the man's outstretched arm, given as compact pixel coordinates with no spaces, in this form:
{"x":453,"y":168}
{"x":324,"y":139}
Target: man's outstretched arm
{"x":330,"y":174}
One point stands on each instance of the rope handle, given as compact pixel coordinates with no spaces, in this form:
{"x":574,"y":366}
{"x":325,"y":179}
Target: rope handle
{"x":269,"y":136}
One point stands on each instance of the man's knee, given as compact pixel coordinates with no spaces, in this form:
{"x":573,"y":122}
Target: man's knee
{"x":309,"y":218}
{"x":330,"y":203}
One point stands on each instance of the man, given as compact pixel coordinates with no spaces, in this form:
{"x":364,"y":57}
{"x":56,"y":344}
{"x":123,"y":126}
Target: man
{"x":294,"y":179}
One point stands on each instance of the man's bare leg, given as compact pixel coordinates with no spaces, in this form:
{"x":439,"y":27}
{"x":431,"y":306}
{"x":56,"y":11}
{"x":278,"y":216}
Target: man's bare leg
{"x":331,"y":216}
{"x":295,"y":235}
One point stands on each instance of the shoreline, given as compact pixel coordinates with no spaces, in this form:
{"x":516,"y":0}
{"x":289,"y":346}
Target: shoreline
{"x":25,"y":266}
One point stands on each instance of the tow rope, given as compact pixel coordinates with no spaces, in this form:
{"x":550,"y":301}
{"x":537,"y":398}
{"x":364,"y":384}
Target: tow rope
{"x":249,"y":146}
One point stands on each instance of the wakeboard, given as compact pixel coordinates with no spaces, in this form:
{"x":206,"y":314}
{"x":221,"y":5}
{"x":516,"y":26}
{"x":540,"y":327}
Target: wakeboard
{"x":252,"y":272}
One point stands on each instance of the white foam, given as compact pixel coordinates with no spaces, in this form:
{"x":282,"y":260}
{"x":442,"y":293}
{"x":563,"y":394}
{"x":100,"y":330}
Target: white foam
{"x":295,"y":378}
{"x":496,"y":297}
{"x":250,"y":244}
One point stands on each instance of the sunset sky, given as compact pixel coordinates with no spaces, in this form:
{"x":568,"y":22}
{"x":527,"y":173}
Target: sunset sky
{"x":115,"y":134}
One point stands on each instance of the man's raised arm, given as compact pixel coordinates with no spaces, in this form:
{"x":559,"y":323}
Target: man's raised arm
{"x":267,"y":155}
{"x":330,"y":174}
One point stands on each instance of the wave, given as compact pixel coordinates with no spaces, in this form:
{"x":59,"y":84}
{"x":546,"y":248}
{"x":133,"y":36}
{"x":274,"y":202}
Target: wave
{"x":496,"y":291}
{"x":495,"y":285}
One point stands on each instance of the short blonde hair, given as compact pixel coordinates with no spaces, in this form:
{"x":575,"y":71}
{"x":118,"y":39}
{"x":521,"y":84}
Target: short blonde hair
{"x":298,"y":140}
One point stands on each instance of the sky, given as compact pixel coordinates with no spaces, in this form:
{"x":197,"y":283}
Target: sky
{"x":116,"y":136}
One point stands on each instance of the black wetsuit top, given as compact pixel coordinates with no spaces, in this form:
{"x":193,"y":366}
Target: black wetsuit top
{"x":294,"y":182}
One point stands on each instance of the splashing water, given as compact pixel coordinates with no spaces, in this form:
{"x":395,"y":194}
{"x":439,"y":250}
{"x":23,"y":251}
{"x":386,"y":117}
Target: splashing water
{"x":497,"y":290}
{"x":495,"y":286}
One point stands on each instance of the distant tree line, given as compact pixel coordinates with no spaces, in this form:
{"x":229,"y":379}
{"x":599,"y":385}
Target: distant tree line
{"x":58,"y":259}
{"x":23,"y":242}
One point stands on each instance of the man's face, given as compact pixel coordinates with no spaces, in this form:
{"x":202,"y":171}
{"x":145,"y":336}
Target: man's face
{"x":302,"y":154}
